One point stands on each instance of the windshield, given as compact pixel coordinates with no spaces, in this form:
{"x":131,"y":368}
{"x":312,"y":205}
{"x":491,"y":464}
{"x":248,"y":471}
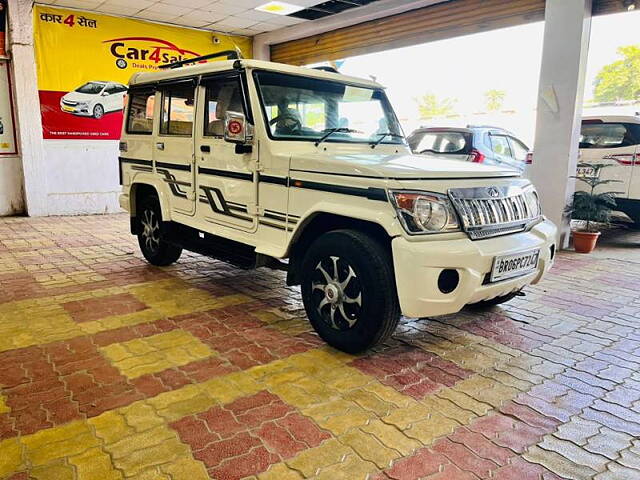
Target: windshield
{"x":303,"y":108}
{"x":90,"y":87}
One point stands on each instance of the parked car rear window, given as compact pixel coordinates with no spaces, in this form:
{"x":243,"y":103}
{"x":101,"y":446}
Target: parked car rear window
{"x":609,"y":135}
{"x":441,"y":142}
{"x":140,"y":118}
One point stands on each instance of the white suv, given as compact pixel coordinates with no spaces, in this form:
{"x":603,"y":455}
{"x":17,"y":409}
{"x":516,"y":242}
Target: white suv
{"x":94,"y":99}
{"x":263,"y":164}
{"x":613,"y":140}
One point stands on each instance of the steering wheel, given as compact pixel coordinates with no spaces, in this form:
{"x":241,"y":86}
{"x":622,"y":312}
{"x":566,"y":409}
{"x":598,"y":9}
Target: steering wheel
{"x":287,"y":120}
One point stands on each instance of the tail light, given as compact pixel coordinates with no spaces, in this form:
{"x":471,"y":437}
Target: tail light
{"x":529,"y":158}
{"x":476,"y":156}
{"x":623,"y":158}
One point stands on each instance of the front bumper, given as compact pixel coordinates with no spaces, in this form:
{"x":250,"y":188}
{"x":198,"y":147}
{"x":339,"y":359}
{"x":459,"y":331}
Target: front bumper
{"x":419,"y":264}
{"x":83,"y":111}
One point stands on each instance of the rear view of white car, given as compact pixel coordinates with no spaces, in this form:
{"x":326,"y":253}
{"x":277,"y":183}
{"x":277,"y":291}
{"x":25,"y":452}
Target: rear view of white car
{"x":614,"y":141}
{"x":94,"y":99}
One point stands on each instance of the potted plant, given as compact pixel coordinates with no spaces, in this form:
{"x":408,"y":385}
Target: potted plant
{"x":591,"y":208}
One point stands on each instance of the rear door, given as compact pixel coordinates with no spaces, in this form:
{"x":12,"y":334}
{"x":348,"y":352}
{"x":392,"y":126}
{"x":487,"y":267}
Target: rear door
{"x":174,"y":146}
{"x":519,"y":151}
{"x":608,"y":143}
{"x":502,"y":153}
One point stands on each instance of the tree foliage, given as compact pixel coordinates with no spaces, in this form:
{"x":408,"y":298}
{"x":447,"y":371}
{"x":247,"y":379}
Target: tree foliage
{"x":619,"y":80}
{"x":494,"y":99}
{"x":429,"y":106}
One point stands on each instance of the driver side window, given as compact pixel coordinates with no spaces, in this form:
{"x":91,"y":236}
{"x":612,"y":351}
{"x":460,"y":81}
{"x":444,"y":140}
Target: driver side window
{"x":223,"y":95}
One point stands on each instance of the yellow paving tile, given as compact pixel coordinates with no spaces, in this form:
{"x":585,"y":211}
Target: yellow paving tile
{"x":11,"y":457}
{"x":351,"y":468}
{"x":155,"y":353}
{"x":368,"y":447}
{"x":310,"y":461}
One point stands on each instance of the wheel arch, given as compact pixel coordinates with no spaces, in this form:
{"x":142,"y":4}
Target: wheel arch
{"x":142,"y":187}
{"x":321,"y":222}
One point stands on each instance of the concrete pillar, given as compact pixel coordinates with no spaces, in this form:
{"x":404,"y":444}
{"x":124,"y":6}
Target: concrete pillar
{"x":27,"y":105}
{"x":560,"y":95}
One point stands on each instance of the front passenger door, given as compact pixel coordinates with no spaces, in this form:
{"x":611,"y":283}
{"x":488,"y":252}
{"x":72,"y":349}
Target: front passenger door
{"x":226,"y":180}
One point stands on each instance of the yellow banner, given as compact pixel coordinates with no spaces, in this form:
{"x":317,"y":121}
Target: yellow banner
{"x":84,"y":61}
{"x":73,"y":47}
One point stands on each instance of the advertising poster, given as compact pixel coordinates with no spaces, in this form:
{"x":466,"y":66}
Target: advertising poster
{"x":7,"y":129}
{"x":85,"y":60}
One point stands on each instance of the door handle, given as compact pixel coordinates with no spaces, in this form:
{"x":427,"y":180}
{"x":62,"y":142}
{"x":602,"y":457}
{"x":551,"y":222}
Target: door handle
{"x":205,"y":148}
{"x":160,"y":145}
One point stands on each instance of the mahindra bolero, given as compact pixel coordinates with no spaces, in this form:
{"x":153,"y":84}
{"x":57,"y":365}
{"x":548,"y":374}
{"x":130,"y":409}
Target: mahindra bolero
{"x":306,"y":170}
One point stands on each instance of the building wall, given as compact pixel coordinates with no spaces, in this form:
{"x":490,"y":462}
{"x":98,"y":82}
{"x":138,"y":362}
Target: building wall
{"x":80,"y":175}
{"x":11,"y":191}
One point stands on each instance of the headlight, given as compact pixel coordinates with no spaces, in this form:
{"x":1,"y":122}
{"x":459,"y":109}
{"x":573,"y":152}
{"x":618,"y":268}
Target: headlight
{"x":533,"y":202}
{"x":82,"y":104}
{"x":423,"y":212}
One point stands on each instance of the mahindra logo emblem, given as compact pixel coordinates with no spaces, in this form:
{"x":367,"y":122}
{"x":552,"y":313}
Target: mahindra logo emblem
{"x":493,"y":192}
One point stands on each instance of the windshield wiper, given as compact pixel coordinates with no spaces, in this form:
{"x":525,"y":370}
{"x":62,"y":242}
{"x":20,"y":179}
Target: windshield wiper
{"x":383,"y":136}
{"x":331,"y":131}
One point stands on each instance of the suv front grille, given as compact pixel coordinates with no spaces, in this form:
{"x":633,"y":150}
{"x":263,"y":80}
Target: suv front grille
{"x":491,"y":211}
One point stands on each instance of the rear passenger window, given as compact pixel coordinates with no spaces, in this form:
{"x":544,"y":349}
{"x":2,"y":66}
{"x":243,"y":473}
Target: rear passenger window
{"x":223,"y":95}
{"x":500,"y":145}
{"x":177,"y":110}
{"x":140,"y":118}
{"x":607,"y":135}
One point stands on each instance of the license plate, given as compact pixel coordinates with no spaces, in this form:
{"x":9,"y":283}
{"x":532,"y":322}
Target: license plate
{"x":509,"y":266}
{"x":68,"y":109}
{"x":585,"y":172}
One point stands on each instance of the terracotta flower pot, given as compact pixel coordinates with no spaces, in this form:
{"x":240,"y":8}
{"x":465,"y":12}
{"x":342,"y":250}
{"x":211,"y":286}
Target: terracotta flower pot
{"x":585,"y":242}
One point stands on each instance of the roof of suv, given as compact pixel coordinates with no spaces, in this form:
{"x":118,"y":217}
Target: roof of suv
{"x":614,"y":118}
{"x":225,"y":65}
{"x":467,"y":129}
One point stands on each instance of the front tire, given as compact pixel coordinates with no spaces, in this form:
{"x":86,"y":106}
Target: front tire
{"x":348,"y":290}
{"x":156,"y":250}
{"x":98,"y":112}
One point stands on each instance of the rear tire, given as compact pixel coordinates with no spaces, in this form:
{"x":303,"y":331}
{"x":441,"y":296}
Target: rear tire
{"x":156,"y":250}
{"x":494,"y":301}
{"x":349,"y":291}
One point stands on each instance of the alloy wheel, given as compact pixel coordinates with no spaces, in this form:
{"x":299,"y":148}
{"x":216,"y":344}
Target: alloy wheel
{"x":151,"y":230}
{"x":337,"y":295}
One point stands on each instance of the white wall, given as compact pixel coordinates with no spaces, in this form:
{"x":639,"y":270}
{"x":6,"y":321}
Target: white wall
{"x":11,"y":191}
{"x":82,"y":176}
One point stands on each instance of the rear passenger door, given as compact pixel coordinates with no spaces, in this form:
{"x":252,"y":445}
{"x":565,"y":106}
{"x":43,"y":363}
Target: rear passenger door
{"x":519,"y":151}
{"x":226,"y":180}
{"x":502,"y":151}
{"x":174,"y":148}
{"x":137,"y":143}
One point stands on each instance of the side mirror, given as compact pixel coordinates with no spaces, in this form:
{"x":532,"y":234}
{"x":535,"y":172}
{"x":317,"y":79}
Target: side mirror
{"x":235,"y":128}
{"x":104,"y":94}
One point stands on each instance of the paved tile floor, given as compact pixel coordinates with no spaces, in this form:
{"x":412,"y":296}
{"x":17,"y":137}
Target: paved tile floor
{"x":113,"y":369}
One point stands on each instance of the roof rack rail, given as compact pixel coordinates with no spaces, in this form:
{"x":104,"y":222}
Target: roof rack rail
{"x":326,"y":68}
{"x":229,"y":54}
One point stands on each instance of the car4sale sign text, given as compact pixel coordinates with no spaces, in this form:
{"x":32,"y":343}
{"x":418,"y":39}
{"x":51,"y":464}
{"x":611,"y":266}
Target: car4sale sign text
{"x":85,"y":60}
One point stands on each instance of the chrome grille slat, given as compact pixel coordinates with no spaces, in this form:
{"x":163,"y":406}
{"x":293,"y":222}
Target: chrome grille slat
{"x":484,"y":215}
